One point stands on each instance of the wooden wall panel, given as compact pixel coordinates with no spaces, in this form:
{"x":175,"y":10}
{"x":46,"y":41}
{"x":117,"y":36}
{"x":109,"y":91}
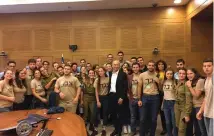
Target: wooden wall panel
{"x":174,"y":36}
{"x":128,"y":37}
{"x":42,"y":39}
{"x":17,"y":40}
{"x":107,"y":37}
{"x":61,"y":39}
{"x":98,"y":33}
{"x":151,"y":36}
{"x":85,"y":38}
{"x":202,"y":36}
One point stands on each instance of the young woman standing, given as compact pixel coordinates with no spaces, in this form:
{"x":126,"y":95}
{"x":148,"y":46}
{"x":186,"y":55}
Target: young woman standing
{"x":196,"y":86}
{"x":160,"y":70}
{"x":183,"y":103}
{"x":6,"y":92}
{"x":89,"y":100}
{"x":39,"y":100}
{"x":19,"y":89}
{"x":101,"y":85}
{"x":168,"y":102}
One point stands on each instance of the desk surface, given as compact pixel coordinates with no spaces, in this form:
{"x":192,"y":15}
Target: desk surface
{"x":69,"y":125}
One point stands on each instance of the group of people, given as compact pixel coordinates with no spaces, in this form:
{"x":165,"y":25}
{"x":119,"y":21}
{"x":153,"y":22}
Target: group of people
{"x":127,"y":93}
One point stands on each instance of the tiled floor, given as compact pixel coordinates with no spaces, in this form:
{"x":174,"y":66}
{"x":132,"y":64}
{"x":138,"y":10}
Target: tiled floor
{"x":110,"y":129}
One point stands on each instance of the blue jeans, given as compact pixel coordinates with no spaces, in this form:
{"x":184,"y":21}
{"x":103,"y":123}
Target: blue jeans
{"x":201,"y":124}
{"x":134,"y":109}
{"x":168,"y":108}
{"x":193,"y":123}
{"x":150,"y":109}
{"x":209,"y":125}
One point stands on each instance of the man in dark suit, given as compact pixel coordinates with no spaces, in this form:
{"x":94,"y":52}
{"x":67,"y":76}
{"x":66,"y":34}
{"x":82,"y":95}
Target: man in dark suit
{"x":118,"y":86}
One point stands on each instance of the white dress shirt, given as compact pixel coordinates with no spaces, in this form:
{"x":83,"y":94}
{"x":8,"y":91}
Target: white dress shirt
{"x":113,"y":81}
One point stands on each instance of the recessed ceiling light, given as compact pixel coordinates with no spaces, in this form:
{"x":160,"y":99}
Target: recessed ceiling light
{"x":177,"y":1}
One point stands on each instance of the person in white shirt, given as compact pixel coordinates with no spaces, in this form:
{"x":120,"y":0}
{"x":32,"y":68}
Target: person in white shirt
{"x":207,"y":108}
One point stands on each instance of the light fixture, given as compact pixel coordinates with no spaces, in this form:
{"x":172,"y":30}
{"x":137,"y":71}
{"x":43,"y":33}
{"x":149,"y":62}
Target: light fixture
{"x":177,"y":1}
{"x":170,"y":11}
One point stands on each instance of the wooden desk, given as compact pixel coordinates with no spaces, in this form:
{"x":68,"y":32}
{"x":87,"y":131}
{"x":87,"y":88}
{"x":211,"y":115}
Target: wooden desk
{"x":69,"y":125}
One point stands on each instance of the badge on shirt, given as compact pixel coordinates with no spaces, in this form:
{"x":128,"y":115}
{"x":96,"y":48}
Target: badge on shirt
{"x":148,"y":86}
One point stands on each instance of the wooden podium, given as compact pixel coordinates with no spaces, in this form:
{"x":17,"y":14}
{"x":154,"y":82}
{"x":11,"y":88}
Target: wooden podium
{"x":67,"y":124}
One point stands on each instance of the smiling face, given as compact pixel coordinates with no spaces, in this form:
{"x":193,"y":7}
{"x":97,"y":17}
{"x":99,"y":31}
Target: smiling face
{"x":8,"y":74}
{"x":151,"y":66}
{"x":182,"y":74}
{"x":37,"y":74}
{"x":160,"y":66}
{"x":169,"y":74}
{"x":22,"y":74}
{"x":190,"y":75}
{"x":91,"y":74}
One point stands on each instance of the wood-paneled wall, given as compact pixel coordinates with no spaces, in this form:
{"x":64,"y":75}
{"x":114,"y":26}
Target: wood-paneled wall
{"x":97,"y":33}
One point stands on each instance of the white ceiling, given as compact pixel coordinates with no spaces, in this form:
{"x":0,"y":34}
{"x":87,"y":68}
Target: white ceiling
{"x":88,"y":5}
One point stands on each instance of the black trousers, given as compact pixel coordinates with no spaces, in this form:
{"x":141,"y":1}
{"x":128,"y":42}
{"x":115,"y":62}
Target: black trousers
{"x":28,"y":102}
{"x":163,"y":120}
{"x":116,"y":111}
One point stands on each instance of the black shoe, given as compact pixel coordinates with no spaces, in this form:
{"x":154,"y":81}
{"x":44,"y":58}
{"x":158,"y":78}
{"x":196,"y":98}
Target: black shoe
{"x":103,"y":133}
{"x":114,"y":133}
{"x":163,"y":132}
{"x":94,"y":133}
{"x":91,"y":127}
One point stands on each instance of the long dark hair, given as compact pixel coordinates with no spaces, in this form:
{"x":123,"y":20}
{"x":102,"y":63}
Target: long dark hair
{"x":20,"y":82}
{"x":156,"y":65}
{"x":196,"y":77}
{"x":11,"y":80}
{"x":87,"y":78}
{"x":173,"y":79}
{"x":34,"y":72}
{"x":98,"y":82}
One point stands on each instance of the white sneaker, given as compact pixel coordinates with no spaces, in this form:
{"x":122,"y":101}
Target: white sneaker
{"x":129,"y":129}
{"x":125,"y":130}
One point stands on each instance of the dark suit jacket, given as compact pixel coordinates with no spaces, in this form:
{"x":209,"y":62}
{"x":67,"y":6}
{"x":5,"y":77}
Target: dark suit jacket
{"x":121,"y":84}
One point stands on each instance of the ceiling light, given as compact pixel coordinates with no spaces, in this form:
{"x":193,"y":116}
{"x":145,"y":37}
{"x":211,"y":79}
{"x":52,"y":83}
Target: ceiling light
{"x":170,"y":11}
{"x":177,"y":1}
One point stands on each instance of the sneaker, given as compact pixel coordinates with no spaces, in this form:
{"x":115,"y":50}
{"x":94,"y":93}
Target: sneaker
{"x":125,"y":130}
{"x":103,"y":133}
{"x":91,"y":127}
{"x":129,"y":129}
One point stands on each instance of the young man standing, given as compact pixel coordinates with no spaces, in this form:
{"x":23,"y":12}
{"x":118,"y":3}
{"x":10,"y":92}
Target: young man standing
{"x":68,"y":88}
{"x":46,"y":64}
{"x":110,"y":58}
{"x":207,"y":108}
{"x":29,"y":78}
{"x":82,"y":63}
{"x":143,"y":67}
{"x":38,"y":63}
{"x":60,"y":71}
{"x":133,"y":95}
{"x":133,"y":60}
{"x":11,"y":65}
{"x":150,"y":100}
{"x":180,"y":63}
